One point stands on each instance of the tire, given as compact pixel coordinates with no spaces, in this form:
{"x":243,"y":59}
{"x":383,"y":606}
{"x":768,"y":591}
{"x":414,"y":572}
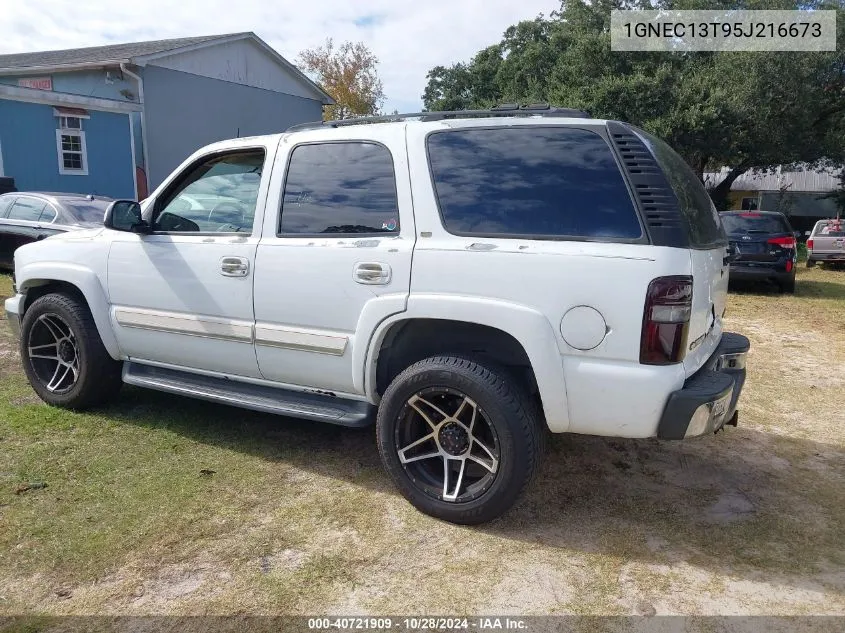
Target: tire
{"x":788,"y":286}
{"x":811,"y":263}
{"x":489,"y":468}
{"x":60,"y":326}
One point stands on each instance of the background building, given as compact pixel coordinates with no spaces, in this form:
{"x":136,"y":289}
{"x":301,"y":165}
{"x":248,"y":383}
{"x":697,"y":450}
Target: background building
{"x":116,"y":120}
{"x":797,"y":193}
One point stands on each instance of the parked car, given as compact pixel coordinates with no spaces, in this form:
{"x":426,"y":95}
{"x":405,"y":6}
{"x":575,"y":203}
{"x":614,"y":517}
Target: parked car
{"x":467,"y":281}
{"x":826,"y":242}
{"x":765,"y":247}
{"x":29,"y":217}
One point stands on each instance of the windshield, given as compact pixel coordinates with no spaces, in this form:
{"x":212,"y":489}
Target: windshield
{"x":754,"y":223}
{"x":834,"y":228}
{"x":89,"y":211}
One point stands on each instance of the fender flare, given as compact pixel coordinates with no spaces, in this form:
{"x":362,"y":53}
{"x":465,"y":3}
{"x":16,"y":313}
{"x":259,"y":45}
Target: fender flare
{"x":530,"y":328}
{"x":86,"y":281}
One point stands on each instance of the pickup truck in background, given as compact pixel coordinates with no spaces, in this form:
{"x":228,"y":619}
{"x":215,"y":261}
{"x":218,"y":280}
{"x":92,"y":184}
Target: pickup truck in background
{"x":826,"y":242}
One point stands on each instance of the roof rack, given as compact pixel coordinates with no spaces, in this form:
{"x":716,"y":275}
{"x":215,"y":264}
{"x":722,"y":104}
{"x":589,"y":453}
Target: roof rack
{"x":502,"y":110}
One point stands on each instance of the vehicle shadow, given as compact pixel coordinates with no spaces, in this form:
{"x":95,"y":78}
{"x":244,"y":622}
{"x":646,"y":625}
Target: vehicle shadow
{"x":743,"y":500}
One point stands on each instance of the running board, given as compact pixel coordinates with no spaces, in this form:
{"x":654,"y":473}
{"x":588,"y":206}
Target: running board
{"x":296,"y":404}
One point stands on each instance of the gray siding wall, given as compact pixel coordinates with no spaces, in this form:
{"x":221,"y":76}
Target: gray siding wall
{"x":183,"y":112}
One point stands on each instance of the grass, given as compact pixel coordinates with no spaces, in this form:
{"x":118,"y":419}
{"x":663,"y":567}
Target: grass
{"x":299,"y":518}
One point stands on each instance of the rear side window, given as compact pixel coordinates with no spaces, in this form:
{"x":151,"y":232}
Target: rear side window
{"x":339,"y":188}
{"x":26,"y":209}
{"x":5,"y":203}
{"x":540,"y":182}
{"x":705,"y":228}
{"x":755,"y":223}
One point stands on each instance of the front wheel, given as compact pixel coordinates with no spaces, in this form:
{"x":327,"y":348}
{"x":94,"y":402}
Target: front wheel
{"x":461,"y":440}
{"x":63,"y":356}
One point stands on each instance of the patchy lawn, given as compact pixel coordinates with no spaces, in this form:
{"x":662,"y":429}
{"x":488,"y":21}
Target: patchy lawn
{"x":298,"y":517}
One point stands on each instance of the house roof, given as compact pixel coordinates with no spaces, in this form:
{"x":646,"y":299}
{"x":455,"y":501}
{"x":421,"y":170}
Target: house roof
{"x":777,"y":179}
{"x":112,"y":54}
{"x":137,"y":53}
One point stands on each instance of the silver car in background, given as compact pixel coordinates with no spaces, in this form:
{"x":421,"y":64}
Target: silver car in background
{"x":30,"y":216}
{"x":826,"y":242}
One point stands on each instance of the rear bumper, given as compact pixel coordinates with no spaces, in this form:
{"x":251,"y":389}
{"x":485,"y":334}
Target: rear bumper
{"x":826,"y":257}
{"x":709,"y":397}
{"x":777,"y":270}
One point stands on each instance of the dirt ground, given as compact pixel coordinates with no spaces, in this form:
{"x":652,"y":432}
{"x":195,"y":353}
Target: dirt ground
{"x":299,"y":518}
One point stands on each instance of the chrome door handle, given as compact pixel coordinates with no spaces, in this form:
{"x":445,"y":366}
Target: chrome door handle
{"x":371,"y":273}
{"x":234,"y":266}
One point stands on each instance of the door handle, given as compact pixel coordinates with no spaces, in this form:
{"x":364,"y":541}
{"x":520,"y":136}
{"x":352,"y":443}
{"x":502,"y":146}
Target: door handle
{"x":371,"y":273}
{"x":234,"y":266}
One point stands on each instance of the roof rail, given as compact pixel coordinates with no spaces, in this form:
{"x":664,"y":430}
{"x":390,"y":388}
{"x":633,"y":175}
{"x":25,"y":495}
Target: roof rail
{"x":502,"y":110}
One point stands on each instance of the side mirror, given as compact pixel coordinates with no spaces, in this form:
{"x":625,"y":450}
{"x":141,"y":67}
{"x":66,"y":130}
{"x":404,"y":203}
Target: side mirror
{"x":808,"y":233}
{"x":125,"y":215}
{"x":797,"y":234}
{"x":731,"y":255}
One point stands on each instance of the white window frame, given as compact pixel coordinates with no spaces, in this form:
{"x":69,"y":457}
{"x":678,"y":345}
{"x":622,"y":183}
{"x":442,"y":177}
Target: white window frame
{"x":78,"y":132}
{"x":65,"y":171}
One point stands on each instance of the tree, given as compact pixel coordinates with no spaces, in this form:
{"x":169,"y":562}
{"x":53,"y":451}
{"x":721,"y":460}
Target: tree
{"x":348,"y":74}
{"x":838,"y":196}
{"x":745,"y":110}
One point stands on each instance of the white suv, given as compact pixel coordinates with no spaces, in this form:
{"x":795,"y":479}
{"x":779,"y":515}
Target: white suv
{"x":466,"y":279}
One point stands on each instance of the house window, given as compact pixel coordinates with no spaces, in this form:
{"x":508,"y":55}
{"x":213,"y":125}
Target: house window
{"x":750,"y":204}
{"x":70,"y":144}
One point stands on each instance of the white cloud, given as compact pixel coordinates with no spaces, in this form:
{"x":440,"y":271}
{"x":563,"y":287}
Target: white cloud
{"x":408,"y":37}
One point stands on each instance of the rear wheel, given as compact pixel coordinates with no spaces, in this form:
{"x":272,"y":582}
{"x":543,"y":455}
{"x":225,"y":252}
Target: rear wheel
{"x":788,"y":285}
{"x":810,"y":263}
{"x":63,"y":356}
{"x":460,"y":439}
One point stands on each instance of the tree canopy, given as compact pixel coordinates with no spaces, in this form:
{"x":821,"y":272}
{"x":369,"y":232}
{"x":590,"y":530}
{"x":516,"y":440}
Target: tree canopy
{"x":743,"y":110}
{"x":348,"y":74}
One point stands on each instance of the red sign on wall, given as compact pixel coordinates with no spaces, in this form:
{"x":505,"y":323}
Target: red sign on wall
{"x":38,"y":83}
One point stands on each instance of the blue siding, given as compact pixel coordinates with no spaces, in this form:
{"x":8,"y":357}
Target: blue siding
{"x":183,"y":112}
{"x":89,"y":83}
{"x":28,"y":141}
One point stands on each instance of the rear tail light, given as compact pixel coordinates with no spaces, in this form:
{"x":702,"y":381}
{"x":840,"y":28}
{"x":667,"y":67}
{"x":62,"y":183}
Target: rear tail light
{"x":810,"y":244}
{"x":789,"y":265}
{"x":785,"y":242}
{"x":668,"y":307}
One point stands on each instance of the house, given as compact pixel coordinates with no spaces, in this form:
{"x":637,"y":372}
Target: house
{"x":797,"y":193}
{"x":116,"y":120}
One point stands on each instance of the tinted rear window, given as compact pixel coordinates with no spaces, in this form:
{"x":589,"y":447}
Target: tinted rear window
{"x":88,"y":212}
{"x":705,"y":229}
{"x":543,"y":182}
{"x":754,"y":223}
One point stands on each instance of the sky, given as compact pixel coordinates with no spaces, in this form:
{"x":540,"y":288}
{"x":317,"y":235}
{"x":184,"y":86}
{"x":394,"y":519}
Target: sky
{"x":409,"y":37}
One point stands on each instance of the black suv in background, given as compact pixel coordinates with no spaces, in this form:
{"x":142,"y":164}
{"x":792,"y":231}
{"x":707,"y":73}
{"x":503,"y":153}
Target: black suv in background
{"x":764,"y":247}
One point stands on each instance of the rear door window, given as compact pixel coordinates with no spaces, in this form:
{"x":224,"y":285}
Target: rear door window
{"x":754,"y":223}
{"x":5,"y":203}
{"x":705,"y":227}
{"x":28,"y":209}
{"x":538,"y":182}
{"x":338,"y":188}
